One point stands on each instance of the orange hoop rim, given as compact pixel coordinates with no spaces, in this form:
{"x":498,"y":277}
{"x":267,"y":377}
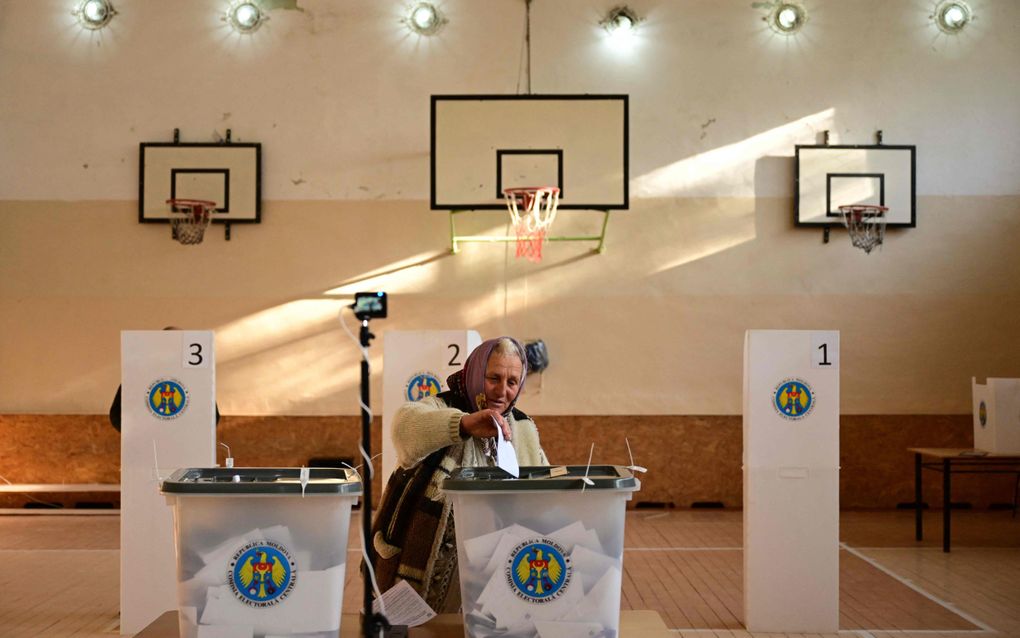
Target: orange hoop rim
{"x":522,"y":190}
{"x":863,"y":208}
{"x":192,"y":203}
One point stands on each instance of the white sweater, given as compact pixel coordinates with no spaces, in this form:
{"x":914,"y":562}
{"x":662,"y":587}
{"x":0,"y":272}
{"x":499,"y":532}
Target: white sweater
{"x":422,"y":427}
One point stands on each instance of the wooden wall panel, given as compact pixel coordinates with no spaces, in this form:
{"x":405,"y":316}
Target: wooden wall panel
{"x":692,"y":460}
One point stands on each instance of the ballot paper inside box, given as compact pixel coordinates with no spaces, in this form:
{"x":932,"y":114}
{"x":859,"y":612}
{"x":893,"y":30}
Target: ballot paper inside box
{"x":541,"y":555}
{"x":262,"y":554}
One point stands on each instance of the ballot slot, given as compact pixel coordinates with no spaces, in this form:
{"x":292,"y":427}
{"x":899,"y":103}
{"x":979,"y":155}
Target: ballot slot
{"x":263,"y":555}
{"x":263,"y":478}
{"x":540,"y":555}
{"x":563,"y":477}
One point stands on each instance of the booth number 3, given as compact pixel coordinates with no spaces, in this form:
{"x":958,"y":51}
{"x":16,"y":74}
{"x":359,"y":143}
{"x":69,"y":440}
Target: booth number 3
{"x":197,"y":350}
{"x":825,"y":350}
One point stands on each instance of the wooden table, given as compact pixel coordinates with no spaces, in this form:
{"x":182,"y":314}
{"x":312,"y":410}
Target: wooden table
{"x":951,"y":461}
{"x":633,"y":624}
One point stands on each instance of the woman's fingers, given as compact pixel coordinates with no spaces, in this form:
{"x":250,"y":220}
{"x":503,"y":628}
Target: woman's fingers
{"x":483,"y":424}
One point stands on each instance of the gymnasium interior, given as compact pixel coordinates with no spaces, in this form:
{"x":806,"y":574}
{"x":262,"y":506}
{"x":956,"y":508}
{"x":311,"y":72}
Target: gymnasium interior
{"x":645,"y":326}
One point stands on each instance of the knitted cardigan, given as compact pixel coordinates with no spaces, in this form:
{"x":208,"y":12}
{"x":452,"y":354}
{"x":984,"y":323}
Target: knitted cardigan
{"x":413,"y":536}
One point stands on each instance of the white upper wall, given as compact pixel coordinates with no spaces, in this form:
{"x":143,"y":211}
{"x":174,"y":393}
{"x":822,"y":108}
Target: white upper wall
{"x":338,"y":92}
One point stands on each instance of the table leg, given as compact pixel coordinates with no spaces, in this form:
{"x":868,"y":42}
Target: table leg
{"x":947,"y":503}
{"x":918,"y":521}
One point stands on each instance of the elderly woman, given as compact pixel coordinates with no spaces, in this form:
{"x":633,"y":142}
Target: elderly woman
{"x":413,"y":537}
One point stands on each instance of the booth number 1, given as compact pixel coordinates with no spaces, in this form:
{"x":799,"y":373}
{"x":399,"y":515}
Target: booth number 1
{"x":825,"y":350}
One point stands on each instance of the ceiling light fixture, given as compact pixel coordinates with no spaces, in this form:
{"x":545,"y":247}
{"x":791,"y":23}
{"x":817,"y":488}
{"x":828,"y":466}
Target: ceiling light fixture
{"x":951,"y":16}
{"x":94,"y":14}
{"x":245,"y":16}
{"x":620,"y":21}
{"x":786,"y":18}
{"x":425,"y":19}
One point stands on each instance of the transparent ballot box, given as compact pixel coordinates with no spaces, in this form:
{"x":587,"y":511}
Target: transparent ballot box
{"x":261,"y":552}
{"x":542,"y":555}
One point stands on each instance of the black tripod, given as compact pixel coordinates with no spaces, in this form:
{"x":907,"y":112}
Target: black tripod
{"x":372,"y":624}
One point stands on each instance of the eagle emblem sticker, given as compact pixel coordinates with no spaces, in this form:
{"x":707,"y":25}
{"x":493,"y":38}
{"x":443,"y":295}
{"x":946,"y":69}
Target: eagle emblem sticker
{"x":538,"y":570}
{"x":167,"y":398}
{"x":422,"y":386}
{"x":793,"y":399}
{"x":261,"y":574}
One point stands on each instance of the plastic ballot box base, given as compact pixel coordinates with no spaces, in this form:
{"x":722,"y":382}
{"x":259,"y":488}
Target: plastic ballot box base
{"x":261,"y":552}
{"x":633,"y":624}
{"x":540,"y":555}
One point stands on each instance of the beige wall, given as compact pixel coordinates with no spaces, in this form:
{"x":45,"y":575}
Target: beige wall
{"x":338,"y":95}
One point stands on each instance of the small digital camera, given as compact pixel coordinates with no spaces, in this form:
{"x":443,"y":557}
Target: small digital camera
{"x":369,"y":305}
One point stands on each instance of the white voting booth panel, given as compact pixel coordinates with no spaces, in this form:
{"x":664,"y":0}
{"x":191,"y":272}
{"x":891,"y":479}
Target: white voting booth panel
{"x":791,"y":481}
{"x":416,"y":364}
{"x":997,"y":415}
{"x":168,"y":407}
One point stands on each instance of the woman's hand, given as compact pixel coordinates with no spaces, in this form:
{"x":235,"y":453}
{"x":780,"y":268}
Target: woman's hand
{"x":482,"y":424}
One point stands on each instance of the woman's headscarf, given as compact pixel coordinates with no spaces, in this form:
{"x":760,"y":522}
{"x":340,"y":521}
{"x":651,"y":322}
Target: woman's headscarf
{"x":469,"y":382}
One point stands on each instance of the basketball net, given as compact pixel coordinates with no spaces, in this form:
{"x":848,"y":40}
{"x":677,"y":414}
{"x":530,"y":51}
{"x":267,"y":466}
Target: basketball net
{"x":189,"y":218}
{"x":532,"y":211}
{"x":866,"y":225}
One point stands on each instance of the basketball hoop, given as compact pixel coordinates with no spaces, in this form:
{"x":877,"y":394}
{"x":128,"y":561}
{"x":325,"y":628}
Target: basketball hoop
{"x":866,"y":224}
{"x":532,"y":210}
{"x":189,"y":219}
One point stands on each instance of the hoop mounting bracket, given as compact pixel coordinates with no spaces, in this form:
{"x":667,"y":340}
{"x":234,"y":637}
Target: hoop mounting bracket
{"x":456,"y":240}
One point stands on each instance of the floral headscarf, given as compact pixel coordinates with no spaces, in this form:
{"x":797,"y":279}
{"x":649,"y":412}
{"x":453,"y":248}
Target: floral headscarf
{"x":469,"y":382}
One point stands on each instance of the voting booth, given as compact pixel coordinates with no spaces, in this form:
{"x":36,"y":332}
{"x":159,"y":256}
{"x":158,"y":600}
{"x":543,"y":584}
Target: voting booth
{"x":540,"y":555}
{"x":996,"y":415}
{"x":791,"y":481}
{"x":416,"y":364}
{"x":168,"y":416}
{"x":260,"y":551}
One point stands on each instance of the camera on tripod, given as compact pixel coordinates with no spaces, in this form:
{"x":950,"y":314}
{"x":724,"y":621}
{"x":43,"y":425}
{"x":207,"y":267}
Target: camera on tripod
{"x":369,"y":305}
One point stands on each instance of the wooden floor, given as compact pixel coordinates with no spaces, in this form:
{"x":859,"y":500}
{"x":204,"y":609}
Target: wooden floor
{"x":61,"y":575}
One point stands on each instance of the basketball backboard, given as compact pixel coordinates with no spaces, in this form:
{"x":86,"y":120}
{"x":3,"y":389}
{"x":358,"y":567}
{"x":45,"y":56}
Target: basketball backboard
{"x":482,"y":144}
{"x":832,"y":176}
{"x":227,"y":174}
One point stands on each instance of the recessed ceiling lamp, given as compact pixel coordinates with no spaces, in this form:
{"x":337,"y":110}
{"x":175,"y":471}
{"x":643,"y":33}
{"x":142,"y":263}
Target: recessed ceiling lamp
{"x":94,"y":14}
{"x":951,"y":16}
{"x":620,"y":21}
{"x":786,"y":18}
{"x":425,"y":19}
{"x":245,"y":16}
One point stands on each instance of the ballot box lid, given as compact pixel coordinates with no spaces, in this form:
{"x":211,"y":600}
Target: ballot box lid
{"x":235,"y":481}
{"x":541,"y":477}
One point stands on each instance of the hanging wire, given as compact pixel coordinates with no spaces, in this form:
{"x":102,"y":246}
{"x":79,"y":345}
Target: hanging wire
{"x":30,"y":497}
{"x":525,"y":57}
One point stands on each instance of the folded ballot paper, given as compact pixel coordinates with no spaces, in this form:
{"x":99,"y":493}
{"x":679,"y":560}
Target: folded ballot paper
{"x":256,"y":585}
{"x":519,"y":583}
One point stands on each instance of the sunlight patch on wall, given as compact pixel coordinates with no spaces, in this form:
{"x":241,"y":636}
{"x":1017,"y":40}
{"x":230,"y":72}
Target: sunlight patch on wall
{"x":412,"y":275}
{"x":276,"y":326}
{"x":728,"y":171}
{"x":290,"y":359}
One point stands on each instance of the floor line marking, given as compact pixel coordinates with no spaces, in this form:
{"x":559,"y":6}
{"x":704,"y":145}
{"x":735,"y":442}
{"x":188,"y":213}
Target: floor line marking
{"x":948,"y":605}
{"x":683,"y":549}
{"x":863,"y":633}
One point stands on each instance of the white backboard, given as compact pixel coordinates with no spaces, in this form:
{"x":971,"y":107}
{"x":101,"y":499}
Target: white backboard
{"x":227,"y":174}
{"x":832,"y":176}
{"x":482,"y":144}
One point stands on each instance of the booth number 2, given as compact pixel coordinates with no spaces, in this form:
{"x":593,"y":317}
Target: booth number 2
{"x":825,"y":350}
